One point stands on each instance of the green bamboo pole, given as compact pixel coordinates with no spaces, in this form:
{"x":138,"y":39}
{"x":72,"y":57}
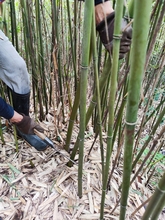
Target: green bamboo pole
{"x":3,"y":22}
{"x":155,"y":112}
{"x":153,"y":209}
{"x":75,"y":34}
{"x":95,"y":59}
{"x":113,"y":88}
{"x":29,"y":38}
{"x":40,"y":57}
{"x":159,"y":207}
{"x":149,"y":102}
{"x":88,"y":10}
{"x":72,"y":119}
{"x":1,"y":133}
{"x":102,"y":81}
{"x":155,"y":32}
{"x":55,"y":37}
{"x":14,"y":25}
{"x":155,"y":141}
{"x":120,"y":112}
{"x":71,"y":41}
{"x":156,"y":125}
{"x":141,"y":19}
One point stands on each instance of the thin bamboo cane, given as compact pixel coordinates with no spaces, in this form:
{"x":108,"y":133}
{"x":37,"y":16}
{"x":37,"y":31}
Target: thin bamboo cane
{"x":150,"y":98}
{"x":89,"y":7}
{"x":156,"y":31}
{"x":159,"y":207}
{"x":151,"y":163}
{"x":72,"y":43}
{"x":56,"y":44}
{"x":71,"y":122}
{"x":102,"y":80}
{"x":153,"y":209}
{"x":1,"y":133}
{"x":148,"y":155}
{"x":4,"y":23}
{"x":113,"y":88}
{"x":157,"y":123}
{"x":99,"y":121}
{"x":141,"y":19}
{"x":14,"y":25}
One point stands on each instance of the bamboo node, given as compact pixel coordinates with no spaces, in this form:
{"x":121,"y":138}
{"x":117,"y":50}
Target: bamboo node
{"x":130,"y":123}
{"x":93,"y":102}
{"x":123,"y":206}
{"x":104,"y":190}
{"x":84,"y":67}
{"x":95,"y":58}
{"x":80,"y":139}
{"x":117,"y":37}
{"x":162,"y":191}
{"x":109,"y":137}
{"x":99,"y":123}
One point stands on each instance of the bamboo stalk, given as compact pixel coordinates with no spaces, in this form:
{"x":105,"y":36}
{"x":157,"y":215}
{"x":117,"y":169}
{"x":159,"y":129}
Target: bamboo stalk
{"x":89,"y":6}
{"x":93,"y":103}
{"x":157,"y":123}
{"x":113,"y":88}
{"x":72,"y":43}
{"x":14,"y":25}
{"x":153,"y":209}
{"x":159,"y":207}
{"x":141,"y":19}
{"x":155,"y":32}
{"x":95,"y":59}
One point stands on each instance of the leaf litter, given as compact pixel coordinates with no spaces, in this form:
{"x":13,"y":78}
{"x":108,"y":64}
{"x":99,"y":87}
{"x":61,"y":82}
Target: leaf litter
{"x":39,"y":185}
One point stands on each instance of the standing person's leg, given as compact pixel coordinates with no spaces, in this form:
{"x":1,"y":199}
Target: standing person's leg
{"x":104,"y":13}
{"x":14,"y":74}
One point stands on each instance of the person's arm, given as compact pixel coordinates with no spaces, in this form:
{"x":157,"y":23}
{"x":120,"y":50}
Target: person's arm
{"x":23,"y":123}
{"x":105,"y":18}
{"x":6,"y":111}
{"x":102,"y":10}
{"x":16,"y":118}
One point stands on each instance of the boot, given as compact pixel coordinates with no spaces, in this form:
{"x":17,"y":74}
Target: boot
{"x":21,"y":103}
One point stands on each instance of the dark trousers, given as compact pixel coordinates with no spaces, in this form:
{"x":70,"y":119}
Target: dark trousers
{"x":100,"y":1}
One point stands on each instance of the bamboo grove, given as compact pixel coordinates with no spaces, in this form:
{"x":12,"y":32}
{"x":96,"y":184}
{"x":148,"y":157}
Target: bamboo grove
{"x":71,"y":72}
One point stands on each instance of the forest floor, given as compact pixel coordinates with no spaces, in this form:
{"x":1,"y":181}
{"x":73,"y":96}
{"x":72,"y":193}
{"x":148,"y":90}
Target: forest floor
{"x":40,"y":186}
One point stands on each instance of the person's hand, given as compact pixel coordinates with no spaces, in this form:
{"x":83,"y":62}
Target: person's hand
{"x":106,"y":35}
{"x":27,"y":125}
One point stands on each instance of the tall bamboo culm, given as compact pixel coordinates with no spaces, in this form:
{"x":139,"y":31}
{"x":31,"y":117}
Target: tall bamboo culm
{"x":138,"y":55}
{"x":113,"y":87}
{"x":88,"y":12}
